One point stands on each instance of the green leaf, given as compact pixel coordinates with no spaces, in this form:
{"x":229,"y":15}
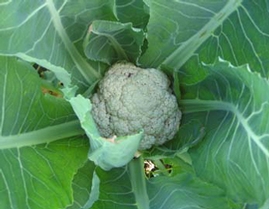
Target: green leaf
{"x":51,"y":33}
{"x":266,"y":204}
{"x":176,"y":29}
{"x":185,"y":191}
{"x":33,"y":168}
{"x":225,"y":121}
{"x":86,"y":187}
{"x":139,"y":18}
{"x":121,"y":188}
{"x":115,"y":190}
{"x":109,"y":42}
{"x":138,"y":182}
{"x":242,"y":38}
{"x":29,"y":112}
{"x":232,"y":103}
{"x":106,"y":153}
{"x":201,"y":31}
{"x":189,"y":134}
{"x":31,"y":176}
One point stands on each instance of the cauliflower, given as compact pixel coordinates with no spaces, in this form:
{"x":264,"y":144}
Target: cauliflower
{"x":130,"y":99}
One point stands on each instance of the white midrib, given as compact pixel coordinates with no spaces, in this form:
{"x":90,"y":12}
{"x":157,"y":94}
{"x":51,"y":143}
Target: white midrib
{"x":83,"y":66}
{"x":3,"y":101}
{"x":182,"y":54}
{"x":208,"y":105}
{"x":41,"y":136}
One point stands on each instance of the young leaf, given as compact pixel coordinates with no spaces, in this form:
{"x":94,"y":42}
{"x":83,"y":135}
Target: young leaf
{"x":232,"y":103}
{"x":139,"y":18}
{"x":106,"y":153}
{"x":189,"y":134}
{"x":109,"y":42}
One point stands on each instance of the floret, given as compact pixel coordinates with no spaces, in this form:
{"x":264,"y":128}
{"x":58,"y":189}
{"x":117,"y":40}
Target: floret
{"x":130,"y":99}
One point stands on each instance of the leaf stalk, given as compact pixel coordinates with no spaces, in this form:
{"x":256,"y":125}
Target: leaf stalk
{"x":138,"y":182}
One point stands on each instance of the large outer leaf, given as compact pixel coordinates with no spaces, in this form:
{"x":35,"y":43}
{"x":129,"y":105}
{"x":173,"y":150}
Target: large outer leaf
{"x":177,"y":28}
{"x":232,"y":103}
{"x":182,"y":34}
{"x":50,"y":33}
{"x":180,"y":191}
{"x":242,"y":38}
{"x":25,"y":108}
{"x":40,"y":176}
{"x":32,"y":175}
{"x":185,"y":191}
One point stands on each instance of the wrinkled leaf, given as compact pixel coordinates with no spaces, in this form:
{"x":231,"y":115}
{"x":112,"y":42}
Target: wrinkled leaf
{"x":112,"y":41}
{"x":139,"y":18}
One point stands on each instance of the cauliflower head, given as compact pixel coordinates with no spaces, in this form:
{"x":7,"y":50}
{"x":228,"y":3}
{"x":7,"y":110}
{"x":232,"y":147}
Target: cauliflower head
{"x":130,"y":99}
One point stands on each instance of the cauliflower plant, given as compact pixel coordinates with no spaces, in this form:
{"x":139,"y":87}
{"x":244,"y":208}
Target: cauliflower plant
{"x":130,"y":99}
